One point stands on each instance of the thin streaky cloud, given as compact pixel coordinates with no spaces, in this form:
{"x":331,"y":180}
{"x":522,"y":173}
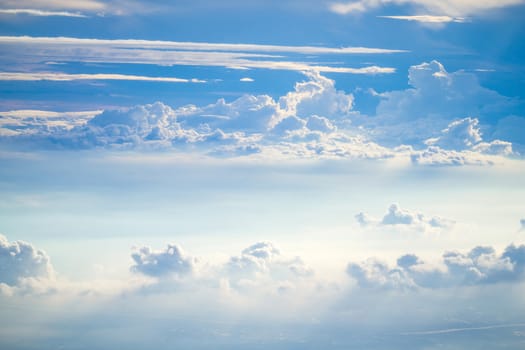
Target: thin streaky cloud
{"x":116,"y":51}
{"x":428,"y":19}
{"x":137,"y":43}
{"x":464,"y":329}
{"x":70,"y":77}
{"x":41,"y":13}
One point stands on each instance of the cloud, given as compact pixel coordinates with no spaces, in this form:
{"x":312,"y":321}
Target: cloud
{"x":181,"y":53}
{"x":428,"y":19}
{"x":314,"y":120}
{"x":262,"y":265}
{"x":161,"y":263}
{"x":450,"y":8}
{"x":20,"y":260}
{"x":87,"y":5}
{"x":396,"y":216}
{"x":482,"y":265}
{"x":40,"y":13}
{"x":522,"y":224}
{"x":436,"y":99}
{"x":246,"y":80}
{"x":12,"y":76}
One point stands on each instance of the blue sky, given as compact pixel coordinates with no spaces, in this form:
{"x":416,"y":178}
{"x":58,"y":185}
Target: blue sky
{"x":262,"y":174}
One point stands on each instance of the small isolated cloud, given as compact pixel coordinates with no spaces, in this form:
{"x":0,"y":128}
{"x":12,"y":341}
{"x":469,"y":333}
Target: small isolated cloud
{"x":171,"y":261}
{"x":482,"y":265}
{"x":20,"y":260}
{"x":428,"y":19}
{"x":262,"y":263}
{"x":396,"y":216}
{"x":246,"y":80}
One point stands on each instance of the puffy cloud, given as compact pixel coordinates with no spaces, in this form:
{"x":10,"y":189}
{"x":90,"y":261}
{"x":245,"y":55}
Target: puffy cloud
{"x":263,"y":262}
{"x":464,"y":134}
{"x":436,"y":98}
{"x":20,"y":260}
{"x":316,"y":96}
{"x":482,"y":265}
{"x":171,"y":261}
{"x":396,"y":216}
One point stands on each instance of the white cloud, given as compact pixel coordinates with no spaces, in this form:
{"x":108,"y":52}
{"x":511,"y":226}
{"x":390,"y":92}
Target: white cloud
{"x":161,"y":263}
{"x":434,"y":101}
{"x":20,"y":260}
{"x":396,"y":216}
{"x":12,"y":76}
{"x":482,"y":265}
{"x":88,"y":5}
{"x":181,"y":53}
{"x":40,"y":13}
{"x":447,"y":7}
{"x":246,"y":80}
{"x":192,"y":46}
{"x":427,"y":19}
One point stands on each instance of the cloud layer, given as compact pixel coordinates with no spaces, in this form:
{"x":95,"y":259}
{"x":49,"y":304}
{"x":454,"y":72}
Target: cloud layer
{"x":314,"y":120}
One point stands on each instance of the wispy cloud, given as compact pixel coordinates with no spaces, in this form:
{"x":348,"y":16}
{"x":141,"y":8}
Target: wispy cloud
{"x":69,"y":77}
{"x":40,"y":13}
{"x":446,"y":8}
{"x":195,"y":46}
{"x":85,"y":5}
{"x":428,"y":19}
{"x":241,"y":56}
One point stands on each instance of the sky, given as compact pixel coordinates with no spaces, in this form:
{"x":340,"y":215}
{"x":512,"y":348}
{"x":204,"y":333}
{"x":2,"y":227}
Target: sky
{"x":262,"y":174}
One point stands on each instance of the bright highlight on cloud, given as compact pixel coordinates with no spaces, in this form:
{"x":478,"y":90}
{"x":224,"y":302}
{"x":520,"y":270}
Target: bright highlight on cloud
{"x":70,"y":77}
{"x":449,"y":8}
{"x":40,"y":13}
{"x":428,"y":18}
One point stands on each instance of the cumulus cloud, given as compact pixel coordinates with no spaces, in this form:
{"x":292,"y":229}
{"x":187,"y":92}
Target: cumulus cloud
{"x":482,"y":265}
{"x":171,"y":261}
{"x":436,"y":98}
{"x":263,"y":264}
{"x":20,"y":260}
{"x":396,"y":216}
{"x":314,"y":120}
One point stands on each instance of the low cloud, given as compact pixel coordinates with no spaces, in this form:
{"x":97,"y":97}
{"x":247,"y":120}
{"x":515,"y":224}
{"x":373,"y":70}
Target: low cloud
{"x":21,"y":261}
{"x":482,"y":265}
{"x":398,"y":217}
{"x":171,"y":261}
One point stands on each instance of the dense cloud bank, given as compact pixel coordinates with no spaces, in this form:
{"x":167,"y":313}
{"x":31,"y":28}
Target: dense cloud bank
{"x":435,"y":122}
